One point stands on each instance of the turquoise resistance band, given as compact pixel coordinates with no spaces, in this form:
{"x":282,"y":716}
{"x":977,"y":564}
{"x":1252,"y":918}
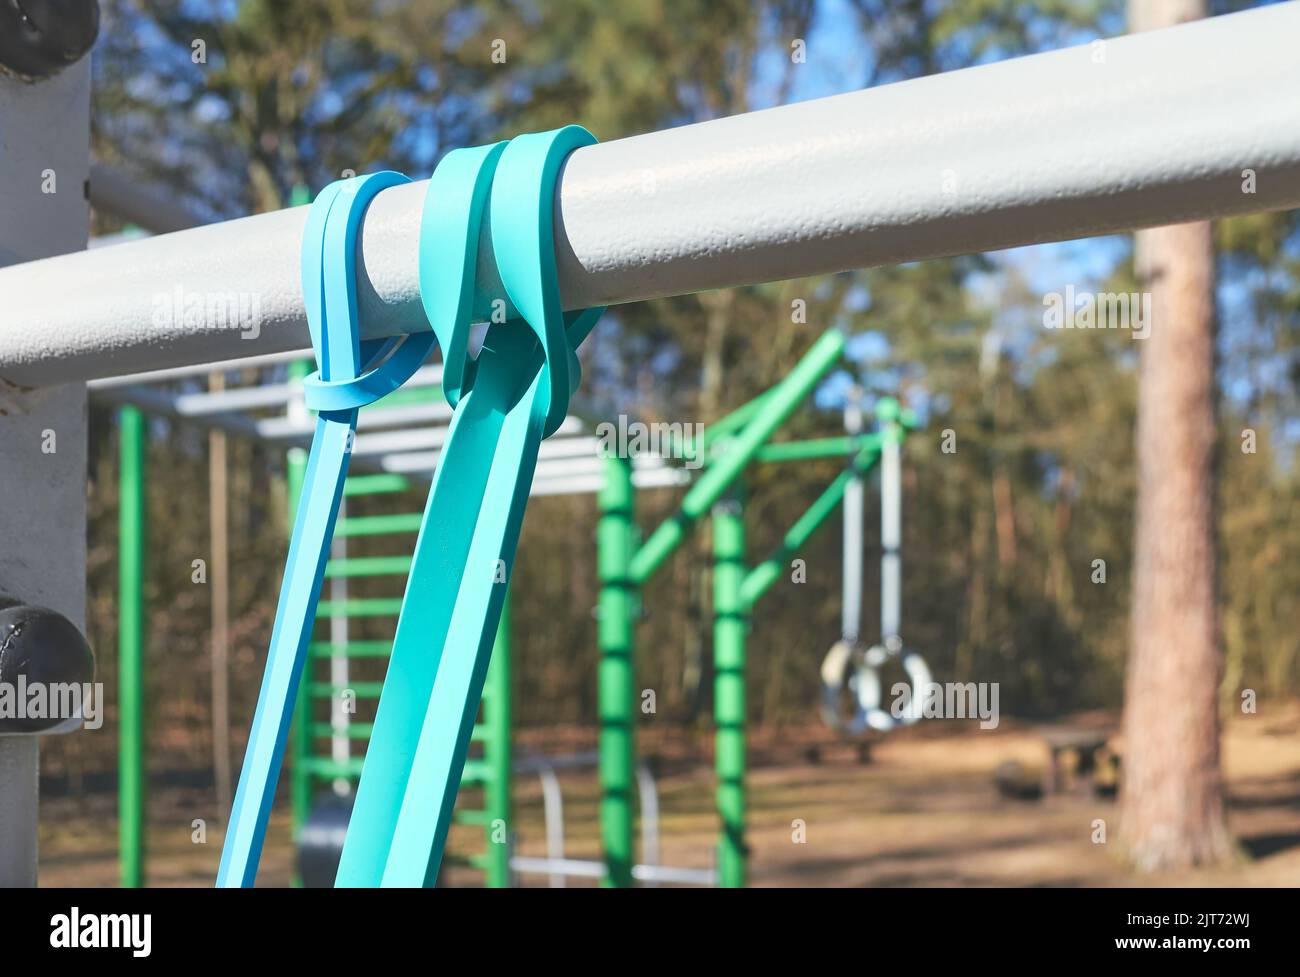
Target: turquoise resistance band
{"x":517,"y":393}
{"x":351,"y":374}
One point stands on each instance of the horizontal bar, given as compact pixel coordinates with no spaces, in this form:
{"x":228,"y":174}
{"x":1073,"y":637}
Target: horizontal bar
{"x":353,"y":731}
{"x":368,"y":566}
{"x":201,"y":369}
{"x":374,"y":485}
{"x":813,"y":448}
{"x":382,"y":525}
{"x":351,"y":649}
{"x":761,"y":577}
{"x":591,"y":484}
{"x":125,"y":197}
{"x":360,"y":607}
{"x":364,"y":690}
{"x":330,"y":768}
{"x":1045,"y":148}
{"x":585,"y":869}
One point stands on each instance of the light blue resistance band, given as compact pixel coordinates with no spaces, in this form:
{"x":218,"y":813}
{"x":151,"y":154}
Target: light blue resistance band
{"x":351,"y":374}
{"x":505,"y":404}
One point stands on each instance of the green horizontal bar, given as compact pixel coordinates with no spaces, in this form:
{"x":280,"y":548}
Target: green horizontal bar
{"x":360,"y":607}
{"x":476,"y":772}
{"x":761,"y":577}
{"x":364,"y":690}
{"x":353,"y":731}
{"x":813,"y":448}
{"x":368,"y":566}
{"x":319,"y":766}
{"x":403,"y":522}
{"x":477,"y":818}
{"x":374,"y":484}
{"x":351,"y":649}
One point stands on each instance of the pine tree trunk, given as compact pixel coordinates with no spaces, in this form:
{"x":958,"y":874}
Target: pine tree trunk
{"x":1172,"y":812}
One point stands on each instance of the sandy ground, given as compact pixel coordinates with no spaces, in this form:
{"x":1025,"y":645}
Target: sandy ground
{"x":923,"y":812}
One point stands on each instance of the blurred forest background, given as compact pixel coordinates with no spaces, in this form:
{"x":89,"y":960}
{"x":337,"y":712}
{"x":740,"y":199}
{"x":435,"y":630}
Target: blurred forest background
{"x":1000,"y":537}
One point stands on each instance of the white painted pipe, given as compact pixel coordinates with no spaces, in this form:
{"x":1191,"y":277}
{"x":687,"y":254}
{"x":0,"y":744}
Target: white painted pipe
{"x":853,"y":533}
{"x":1144,"y":130}
{"x":891,"y":538}
{"x":19,"y":776}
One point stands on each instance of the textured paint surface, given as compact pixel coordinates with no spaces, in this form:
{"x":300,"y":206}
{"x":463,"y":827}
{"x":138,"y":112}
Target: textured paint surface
{"x":1044,"y":148}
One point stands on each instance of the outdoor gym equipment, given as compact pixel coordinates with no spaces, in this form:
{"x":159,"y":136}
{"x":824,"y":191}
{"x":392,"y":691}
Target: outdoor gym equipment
{"x":1157,"y":136}
{"x":516,"y":394}
{"x":847,"y":664}
{"x":559,"y":868}
{"x":465,"y":551}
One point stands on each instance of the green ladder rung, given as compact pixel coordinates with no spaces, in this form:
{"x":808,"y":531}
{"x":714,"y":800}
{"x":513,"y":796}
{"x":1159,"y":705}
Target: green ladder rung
{"x":374,"y":484}
{"x":360,"y":607}
{"x":476,"y":772}
{"x":368,"y":566}
{"x":351,"y":649}
{"x":389,"y":523}
{"x":364,"y":690}
{"x":480,"y":819}
{"x":353,"y":731}
{"x":319,"y":766}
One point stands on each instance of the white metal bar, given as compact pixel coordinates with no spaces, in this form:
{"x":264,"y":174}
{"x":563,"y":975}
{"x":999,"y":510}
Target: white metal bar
{"x":19,"y":802}
{"x":891,"y":538}
{"x":649,"y":804}
{"x":583,"y":868}
{"x":853,"y":534}
{"x":200,"y":369}
{"x":124,"y":196}
{"x":553,"y":817}
{"x":1155,"y":129}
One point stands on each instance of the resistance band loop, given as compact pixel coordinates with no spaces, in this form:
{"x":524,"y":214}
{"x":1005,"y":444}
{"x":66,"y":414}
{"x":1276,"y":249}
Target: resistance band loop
{"x":351,"y":374}
{"x":505,"y":405}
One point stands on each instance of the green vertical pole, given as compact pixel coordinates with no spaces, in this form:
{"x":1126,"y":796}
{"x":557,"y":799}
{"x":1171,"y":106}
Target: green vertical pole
{"x":130,"y":645}
{"x":496,"y":749}
{"x":300,"y":784}
{"x":616,"y":697}
{"x":729,"y":625}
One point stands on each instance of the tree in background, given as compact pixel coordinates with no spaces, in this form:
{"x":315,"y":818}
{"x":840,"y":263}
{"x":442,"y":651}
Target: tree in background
{"x":1172,"y":813}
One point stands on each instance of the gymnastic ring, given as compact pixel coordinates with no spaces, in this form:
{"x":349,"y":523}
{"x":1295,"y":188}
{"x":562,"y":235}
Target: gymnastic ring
{"x":866,"y":687}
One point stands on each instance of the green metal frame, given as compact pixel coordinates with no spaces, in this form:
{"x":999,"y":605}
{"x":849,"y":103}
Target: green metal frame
{"x":624,"y":567}
{"x":131,"y":549}
{"x":491,"y":771}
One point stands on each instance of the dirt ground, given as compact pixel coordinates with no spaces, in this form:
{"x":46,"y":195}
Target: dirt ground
{"x":924,"y":811}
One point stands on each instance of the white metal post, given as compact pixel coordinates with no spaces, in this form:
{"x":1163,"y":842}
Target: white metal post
{"x":44,"y":156}
{"x":891,"y":533}
{"x":854,"y":499}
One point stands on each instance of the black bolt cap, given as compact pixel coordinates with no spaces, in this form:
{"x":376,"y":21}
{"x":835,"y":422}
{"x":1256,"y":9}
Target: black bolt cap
{"x":39,"y":38}
{"x":43,"y":647}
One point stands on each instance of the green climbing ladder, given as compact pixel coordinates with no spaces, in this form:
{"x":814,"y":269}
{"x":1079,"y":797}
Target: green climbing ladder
{"x":488,"y":769}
